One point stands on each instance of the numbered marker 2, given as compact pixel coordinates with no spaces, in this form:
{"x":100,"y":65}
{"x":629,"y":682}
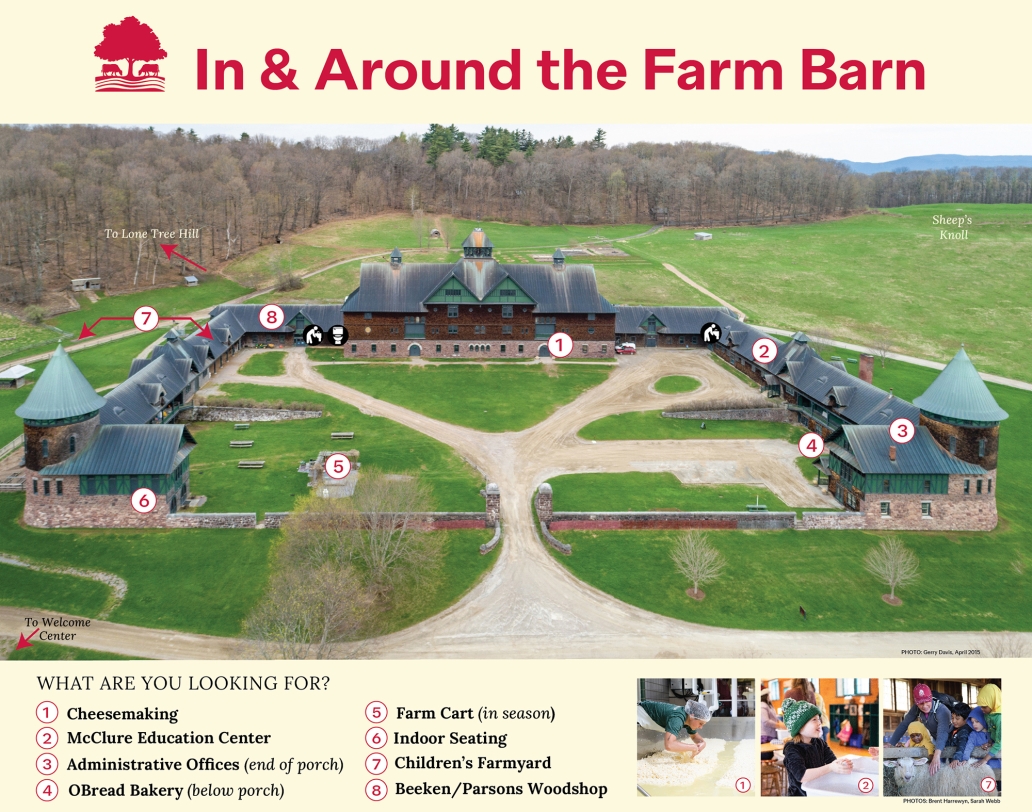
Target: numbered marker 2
{"x":811,"y":445}
{"x":375,"y":711}
{"x":271,"y":317}
{"x":743,"y":784}
{"x":46,"y":764}
{"x":338,"y":466}
{"x":376,"y":763}
{"x":764,"y":350}
{"x":376,"y":790}
{"x":376,"y":737}
{"x":144,"y":500}
{"x":145,"y":318}
{"x":865,"y":785}
{"x":901,"y":430}
{"x":46,"y":711}
{"x":560,"y":345}
{"x":46,"y":737}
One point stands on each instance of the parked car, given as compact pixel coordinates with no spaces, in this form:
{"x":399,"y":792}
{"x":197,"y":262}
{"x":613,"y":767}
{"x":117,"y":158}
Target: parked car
{"x":627,"y":349}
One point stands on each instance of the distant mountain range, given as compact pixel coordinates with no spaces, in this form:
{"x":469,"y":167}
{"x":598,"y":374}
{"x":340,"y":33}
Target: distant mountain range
{"x":919,"y":162}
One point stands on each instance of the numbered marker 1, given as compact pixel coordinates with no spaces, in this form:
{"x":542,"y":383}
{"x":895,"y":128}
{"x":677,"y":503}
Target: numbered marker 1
{"x":338,"y":466}
{"x":144,"y":500}
{"x":901,"y":430}
{"x":811,"y":445}
{"x":743,"y":784}
{"x":46,"y":764}
{"x":46,"y":737}
{"x":376,"y":763}
{"x":764,"y":350}
{"x":271,"y":317}
{"x":376,"y":737}
{"x":46,"y":711}
{"x":375,"y":711}
{"x":46,"y":790}
{"x":865,"y":785}
{"x":988,"y":784}
{"x":560,"y":345}
{"x":145,"y":318}
{"x":376,"y":790}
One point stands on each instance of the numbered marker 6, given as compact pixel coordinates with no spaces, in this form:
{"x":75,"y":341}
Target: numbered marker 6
{"x":811,"y":445}
{"x":764,"y":350}
{"x":145,"y":318}
{"x":560,"y":345}
{"x":376,"y":737}
{"x":338,"y":466}
{"x":271,"y":317}
{"x":901,"y":430}
{"x":144,"y":500}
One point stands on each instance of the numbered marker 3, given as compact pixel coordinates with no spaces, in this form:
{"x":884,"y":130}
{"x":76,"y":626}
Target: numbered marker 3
{"x":560,"y":345}
{"x":901,"y":430}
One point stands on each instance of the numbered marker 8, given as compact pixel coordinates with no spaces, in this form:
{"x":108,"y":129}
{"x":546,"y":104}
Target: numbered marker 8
{"x":376,"y":790}
{"x":271,"y":317}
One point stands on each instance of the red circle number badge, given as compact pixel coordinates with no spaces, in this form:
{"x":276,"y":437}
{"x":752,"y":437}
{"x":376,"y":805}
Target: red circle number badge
{"x":271,"y":317}
{"x":560,"y":345}
{"x":338,"y":466}
{"x":901,"y":430}
{"x":764,"y":350}
{"x":811,"y":445}
{"x":143,"y":500}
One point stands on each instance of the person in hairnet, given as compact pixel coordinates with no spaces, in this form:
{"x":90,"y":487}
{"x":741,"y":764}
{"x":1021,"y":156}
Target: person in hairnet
{"x":670,"y":719}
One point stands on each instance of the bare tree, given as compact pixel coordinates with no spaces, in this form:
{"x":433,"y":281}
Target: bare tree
{"x":893,"y":564}
{"x":1005,"y":645}
{"x":419,"y":225}
{"x":881,"y":343}
{"x":697,"y":560}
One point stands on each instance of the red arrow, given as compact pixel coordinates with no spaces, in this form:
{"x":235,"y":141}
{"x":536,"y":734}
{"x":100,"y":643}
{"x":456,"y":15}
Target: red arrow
{"x":87,"y":332}
{"x":171,"y":249}
{"x":23,"y":641}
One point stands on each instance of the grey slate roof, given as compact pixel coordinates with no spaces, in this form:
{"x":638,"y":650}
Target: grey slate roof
{"x":243,"y":318}
{"x":868,"y":451}
{"x":675,"y":320}
{"x":61,"y":392}
{"x":138,"y":399}
{"x":960,"y":393}
{"x":477,"y":239}
{"x":128,"y":451}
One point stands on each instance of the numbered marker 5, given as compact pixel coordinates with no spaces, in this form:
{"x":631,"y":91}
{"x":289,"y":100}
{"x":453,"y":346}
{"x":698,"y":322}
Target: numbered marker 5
{"x":376,"y":737}
{"x":271,"y":317}
{"x":764,"y":350}
{"x":145,"y":318}
{"x":901,"y":430}
{"x":375,"y":711}
{"x":811,"y":445}
{"x":560,"y":345}
{"x":338,"y":466}
{"x":144,"y":500}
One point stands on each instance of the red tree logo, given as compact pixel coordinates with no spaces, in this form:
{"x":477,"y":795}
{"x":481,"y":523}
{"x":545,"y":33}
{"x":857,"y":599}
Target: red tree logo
{"x":130,"y":41}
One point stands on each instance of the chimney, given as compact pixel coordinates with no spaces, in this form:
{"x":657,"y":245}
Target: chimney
{"x":867,"y":368}
{"x":892,"y":453}
{"x":890,"y":393}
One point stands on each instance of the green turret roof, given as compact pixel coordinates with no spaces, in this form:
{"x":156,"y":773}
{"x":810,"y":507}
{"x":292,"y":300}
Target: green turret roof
{"x":959,"y":393}
{"x":61,"y":392}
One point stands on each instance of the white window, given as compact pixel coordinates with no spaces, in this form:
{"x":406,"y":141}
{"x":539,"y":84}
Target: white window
{"x":885,"y":511}
{"x":926,"y":510}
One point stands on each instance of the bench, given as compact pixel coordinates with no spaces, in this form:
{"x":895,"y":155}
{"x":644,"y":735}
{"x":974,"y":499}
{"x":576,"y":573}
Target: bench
{"x":342,"y":435}
{"x":241,"y":443}
{"x":240,"y":426}
{"x":251,"y":464}
{"x":754,"y":508}
{"x":850,"y":360}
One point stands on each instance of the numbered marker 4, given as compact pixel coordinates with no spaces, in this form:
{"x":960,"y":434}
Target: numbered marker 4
{"x":901,"y":430}
{"x":271,"y":317}
{"x":764,"y":350}
{"x":46,"y":790}
{"x":811,"y":445}
{"x":560,"y":345}
{"x":338,"y":466}
{"x":145,"y":318}
{"x":144,"y":500}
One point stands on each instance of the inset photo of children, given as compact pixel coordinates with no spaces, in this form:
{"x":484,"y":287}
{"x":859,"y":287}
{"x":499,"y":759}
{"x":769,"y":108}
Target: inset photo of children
{"x":696,"y":736}
{"x":819,"y":737}
{"x":946,"y":737}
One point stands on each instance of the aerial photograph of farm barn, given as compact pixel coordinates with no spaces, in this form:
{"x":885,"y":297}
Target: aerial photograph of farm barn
{"x":475,"y":393}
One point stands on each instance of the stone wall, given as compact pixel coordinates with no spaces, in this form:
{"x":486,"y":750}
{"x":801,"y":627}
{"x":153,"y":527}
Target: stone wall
{"x":562,"y":547}
{"x":240,"y":414}
{"x":211,"y":520}
{"x":968,"y":438}
{"x":57,"y":441}
{"x":844,"y":520}
{"x":672,"y":520}
{"x":543,"y":502}
{"x":72,"y":509}
{"x":492,"y":504}
{"x":274,"y":520}
{"x":767,"y":415}
{"x":453,"y":520}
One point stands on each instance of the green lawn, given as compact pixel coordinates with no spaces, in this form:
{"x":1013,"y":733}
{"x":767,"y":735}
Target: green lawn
{"x":653,"y":426}
{"x":55,"y":651}
{"x":638,"y":491}
{"x":672,"y":384}
{"x":20,"y":586}
{"x":383,"y":444}
{"x":265,"y":364}
{"x":18,"y":338}
{"x":194,"y":580}
{"x":488,"y":398}
{"x":841,"y":275}
{"x":770,"y":574}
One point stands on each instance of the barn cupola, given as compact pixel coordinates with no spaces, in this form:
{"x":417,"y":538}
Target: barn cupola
{"x":396,"y":257}
{"x":477,"y":245}
{"x":962,"y":414}
{"x":558,"y":259}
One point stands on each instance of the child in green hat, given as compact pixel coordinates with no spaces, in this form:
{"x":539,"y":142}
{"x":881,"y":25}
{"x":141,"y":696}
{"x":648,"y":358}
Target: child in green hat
{"x":807,"y":755}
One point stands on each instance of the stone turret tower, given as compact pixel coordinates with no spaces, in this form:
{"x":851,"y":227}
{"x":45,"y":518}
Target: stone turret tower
{"x":961,"y":414}
{"x":61,"y":414}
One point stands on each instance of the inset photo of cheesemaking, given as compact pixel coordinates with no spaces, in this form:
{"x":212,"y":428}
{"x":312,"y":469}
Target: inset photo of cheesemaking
{"x":696,"y":736}
{"x":819,"y":737}
{"x":946,"y":737}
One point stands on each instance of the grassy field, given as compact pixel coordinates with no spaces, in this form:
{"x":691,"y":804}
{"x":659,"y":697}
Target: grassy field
{"x":842,"y":275}
{"x":646,"y":491}
{"x":55,"y":651}
{"x":383,"y":444}
{"x":487,"y":398}
{"x":18,"y":338}
{"x":265,"y":364}
{"x":672,"y":384}
{"x":20,"y":586}
{"x":653,"y":426}
{"x":770,"y":574}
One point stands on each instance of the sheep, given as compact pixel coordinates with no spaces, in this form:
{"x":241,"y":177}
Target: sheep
{"x":913,"y":779}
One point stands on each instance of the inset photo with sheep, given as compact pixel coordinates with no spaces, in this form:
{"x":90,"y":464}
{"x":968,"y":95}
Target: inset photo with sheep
{"x":943,"y":737}
{"x":696,"y":736}
{"x":819,"y":737}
